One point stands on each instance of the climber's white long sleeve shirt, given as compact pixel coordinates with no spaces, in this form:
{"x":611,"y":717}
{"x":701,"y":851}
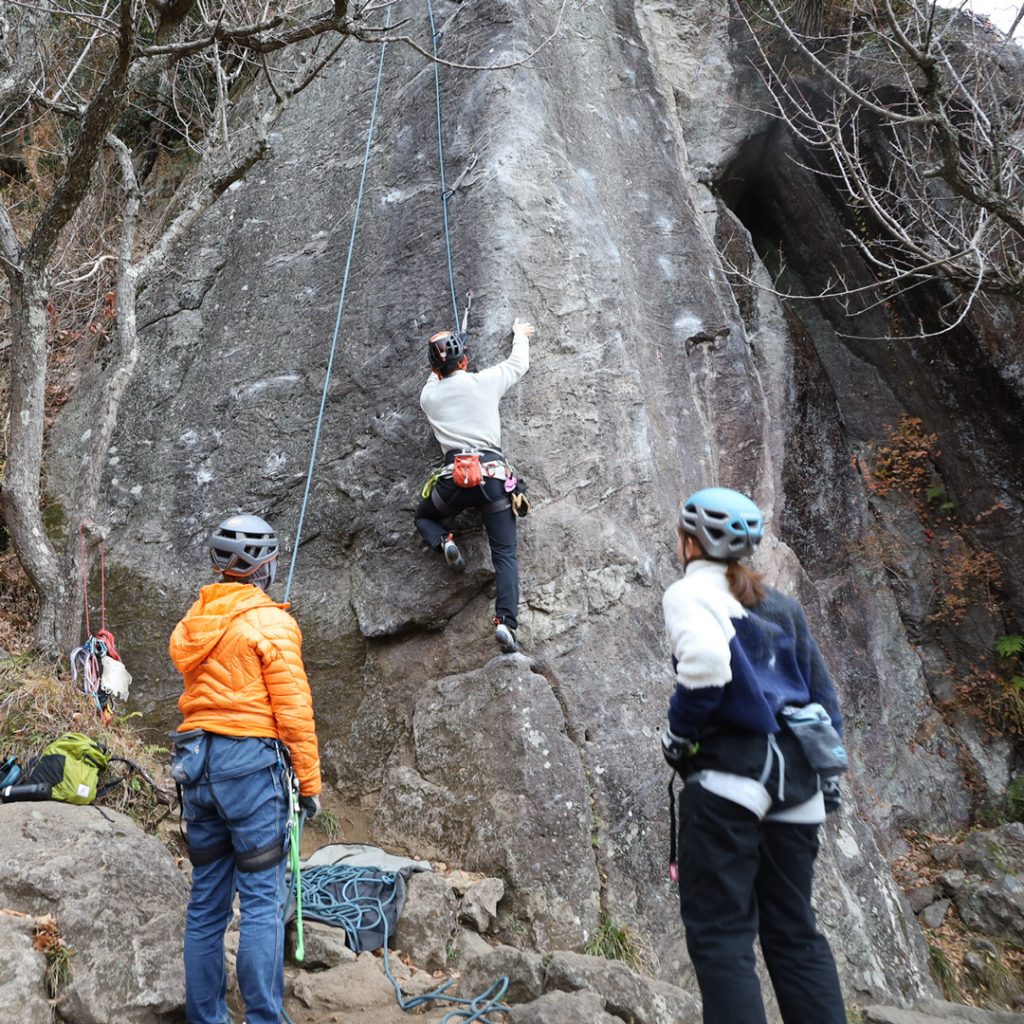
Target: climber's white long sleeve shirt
{"x":463,"y":408}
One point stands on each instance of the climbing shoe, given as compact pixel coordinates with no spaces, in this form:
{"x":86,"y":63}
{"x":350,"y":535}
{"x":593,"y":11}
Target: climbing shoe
{"x":452,"y":555}
{"x":506,"y":638}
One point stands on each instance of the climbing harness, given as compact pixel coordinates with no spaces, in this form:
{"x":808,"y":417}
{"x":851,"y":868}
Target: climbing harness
{"x":466,"y":470}
{"x":351,"y":898}
{"x":96,"y":667}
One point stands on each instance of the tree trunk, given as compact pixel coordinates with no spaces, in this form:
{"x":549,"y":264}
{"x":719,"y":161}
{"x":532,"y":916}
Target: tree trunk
{"x":20,"y":496}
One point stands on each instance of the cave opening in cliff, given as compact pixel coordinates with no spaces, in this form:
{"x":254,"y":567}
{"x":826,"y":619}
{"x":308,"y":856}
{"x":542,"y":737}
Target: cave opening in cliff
{"x":748,"y":185}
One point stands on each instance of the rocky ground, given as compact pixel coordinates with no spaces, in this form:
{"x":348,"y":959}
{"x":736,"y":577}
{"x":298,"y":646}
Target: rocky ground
{"x":115,"y":898}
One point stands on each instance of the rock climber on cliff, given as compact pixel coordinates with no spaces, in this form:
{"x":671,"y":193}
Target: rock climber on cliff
{"x":248,"y":715}
{"x":462,"y":409}
{"x":753,"y":731}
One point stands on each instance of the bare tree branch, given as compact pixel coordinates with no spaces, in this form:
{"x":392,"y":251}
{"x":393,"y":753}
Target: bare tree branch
{"x":72,"y":188}
{"x":933,"y":170}
{"x":20,"y":71}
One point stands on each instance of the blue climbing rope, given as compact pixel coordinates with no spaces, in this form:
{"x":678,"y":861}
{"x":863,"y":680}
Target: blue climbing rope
{"x":435,"y":38}
{"x":331,"y":893}
{"x":341,"y":309}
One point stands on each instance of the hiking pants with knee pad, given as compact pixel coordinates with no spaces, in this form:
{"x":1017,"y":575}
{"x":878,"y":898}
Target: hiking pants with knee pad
{"x":236,"y":835}
{"x":447,"y":500}
{"x":744,"y":877}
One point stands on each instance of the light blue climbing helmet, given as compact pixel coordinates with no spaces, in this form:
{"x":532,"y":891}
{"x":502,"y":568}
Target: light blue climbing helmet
{"x":727,"y":524}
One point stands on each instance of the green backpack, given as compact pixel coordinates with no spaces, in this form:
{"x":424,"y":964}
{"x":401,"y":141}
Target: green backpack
{"x":71,"y":766}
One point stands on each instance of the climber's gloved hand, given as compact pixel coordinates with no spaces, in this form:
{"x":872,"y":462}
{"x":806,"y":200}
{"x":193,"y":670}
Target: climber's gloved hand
{"x":310,"y":806}
{"x":833,"y":794}
{"x":676,"y":749}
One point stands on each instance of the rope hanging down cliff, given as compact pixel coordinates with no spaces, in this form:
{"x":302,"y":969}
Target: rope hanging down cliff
{"x":341,"y":309}
{"x":435,"y":40}
{"x":445,"y":193}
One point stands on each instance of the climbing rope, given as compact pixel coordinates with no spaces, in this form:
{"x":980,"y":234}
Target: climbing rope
{"x":85,"y":582}
{"x":446,"y":194}
{"x":341,"y":309}
{"x":331,"y":893}
{"x":435,"y":39}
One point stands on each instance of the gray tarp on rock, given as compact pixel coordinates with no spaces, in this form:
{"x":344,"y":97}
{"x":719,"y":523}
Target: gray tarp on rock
{"x":357,"y":887}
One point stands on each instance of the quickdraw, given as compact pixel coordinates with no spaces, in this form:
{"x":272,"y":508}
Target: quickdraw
{"x":428,"y":487}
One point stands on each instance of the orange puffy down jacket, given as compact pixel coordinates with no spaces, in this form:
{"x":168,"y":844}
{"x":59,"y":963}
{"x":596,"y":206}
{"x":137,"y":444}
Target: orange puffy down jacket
{"x":240,"y":654}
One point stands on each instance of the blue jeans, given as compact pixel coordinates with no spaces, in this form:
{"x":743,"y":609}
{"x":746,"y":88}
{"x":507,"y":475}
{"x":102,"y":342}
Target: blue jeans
{"x":248,"y":812}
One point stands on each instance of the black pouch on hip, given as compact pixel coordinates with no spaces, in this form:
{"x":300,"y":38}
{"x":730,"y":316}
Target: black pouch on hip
{"x":188,"y":762}
{"x":812,"y":728}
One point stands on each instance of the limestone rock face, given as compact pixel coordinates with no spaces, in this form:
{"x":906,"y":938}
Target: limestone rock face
{"x":507,"y":793}
{"x":594,"y":202}
{"x":123,"y":914}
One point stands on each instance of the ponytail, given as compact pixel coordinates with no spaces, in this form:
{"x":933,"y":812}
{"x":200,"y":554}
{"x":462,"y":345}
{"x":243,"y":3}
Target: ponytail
{"x":745,"y":585}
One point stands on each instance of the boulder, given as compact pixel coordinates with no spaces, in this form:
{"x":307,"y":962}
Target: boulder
{"x":23,"y":971}
{"x":359,"y":984}
{"x":524,"y":970}
{"x":626,"y":994}
{"x":933,"y":1011}
{"x":323,"y":946}
{"x":469,"y":946}
{"x":564,"y":1008}
{"x":428,"y":921}
{"x":995,"y":852}
{"x":993,"y":908}
{"x":480,"y":903}
{"x":119,"y":901}
{"x":507,"y":793}
{"x":935,"y":913}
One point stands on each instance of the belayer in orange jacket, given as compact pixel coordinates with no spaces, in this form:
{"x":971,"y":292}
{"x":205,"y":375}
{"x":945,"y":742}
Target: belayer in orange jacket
{"x":248,"y":716}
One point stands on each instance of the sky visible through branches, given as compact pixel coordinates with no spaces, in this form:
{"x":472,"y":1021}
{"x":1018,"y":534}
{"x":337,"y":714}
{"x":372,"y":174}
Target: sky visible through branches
{"x":1002,"y":13}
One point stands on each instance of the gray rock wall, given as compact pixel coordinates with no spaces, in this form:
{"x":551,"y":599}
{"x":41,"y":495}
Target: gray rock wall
{"x":585,"y":208}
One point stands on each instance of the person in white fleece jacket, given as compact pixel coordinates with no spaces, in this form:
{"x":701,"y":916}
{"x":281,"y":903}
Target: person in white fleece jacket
{"x":462,"y":409}
{"x":752,"y":802}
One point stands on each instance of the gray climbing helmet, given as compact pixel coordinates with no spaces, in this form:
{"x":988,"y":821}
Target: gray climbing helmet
{"x":245,"y":547}
{"x":727,"y":524}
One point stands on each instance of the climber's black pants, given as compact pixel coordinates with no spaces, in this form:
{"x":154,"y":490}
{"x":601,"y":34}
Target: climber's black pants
{"x":741,"y":878}
{"x":501,"y":534}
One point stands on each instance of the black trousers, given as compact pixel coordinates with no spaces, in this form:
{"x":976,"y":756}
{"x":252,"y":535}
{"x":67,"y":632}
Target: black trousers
{"x":501,"y":535}
{"x":741,"y":878}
